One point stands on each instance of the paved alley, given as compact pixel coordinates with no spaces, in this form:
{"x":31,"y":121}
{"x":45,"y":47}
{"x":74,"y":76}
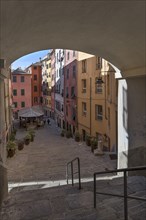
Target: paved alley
{"x":45,"y":159}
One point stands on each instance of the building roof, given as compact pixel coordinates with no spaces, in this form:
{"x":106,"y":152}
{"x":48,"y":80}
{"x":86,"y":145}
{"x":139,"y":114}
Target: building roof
{"x":32,"y":112}
{"x":19,"y":71}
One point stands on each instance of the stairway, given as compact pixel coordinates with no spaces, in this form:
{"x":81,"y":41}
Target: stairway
{"x":69,"y":203}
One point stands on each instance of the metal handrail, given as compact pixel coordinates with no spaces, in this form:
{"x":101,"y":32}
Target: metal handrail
{"x":125,"y":196}
{"x":72,"y":171}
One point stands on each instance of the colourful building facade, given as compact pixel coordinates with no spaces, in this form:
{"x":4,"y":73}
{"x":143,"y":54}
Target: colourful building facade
{"x":97,"y":107}
{"x":21,"y":87}
{"x":70,"y":90}
{"x":36,"y":83}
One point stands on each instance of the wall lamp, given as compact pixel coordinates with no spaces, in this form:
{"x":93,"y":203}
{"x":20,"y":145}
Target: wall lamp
{"x":99,"y":80}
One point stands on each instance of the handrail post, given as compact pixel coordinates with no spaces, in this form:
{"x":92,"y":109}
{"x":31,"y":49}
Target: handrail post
{"x":79,"y":173}
{"x":94,"y":190}
{"x":72,"y":175}
{"x":67,"y":174}
{"x":125,"y":196}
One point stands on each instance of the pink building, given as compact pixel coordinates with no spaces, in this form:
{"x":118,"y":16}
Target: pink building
{"x":70,"y":88}
{"x":53,"y":61}
{"x":21,"y":87}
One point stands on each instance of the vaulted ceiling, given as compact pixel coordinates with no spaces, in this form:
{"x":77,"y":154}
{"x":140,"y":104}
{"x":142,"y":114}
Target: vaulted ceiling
{"x":114,"y":30}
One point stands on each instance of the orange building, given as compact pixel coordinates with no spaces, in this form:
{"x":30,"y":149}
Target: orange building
{"x":36,"y":72}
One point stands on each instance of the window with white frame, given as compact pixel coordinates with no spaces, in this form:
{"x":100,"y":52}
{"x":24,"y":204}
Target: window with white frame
{"x":84,"y":66}
{"x":84,"y":108}
{"x":98,"y":87}
{"x":98,"y":112}
{"x":83,"y":85}
{"x":98,"y":62}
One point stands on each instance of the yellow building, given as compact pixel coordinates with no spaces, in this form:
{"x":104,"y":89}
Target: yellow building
{"x":97,"y":108}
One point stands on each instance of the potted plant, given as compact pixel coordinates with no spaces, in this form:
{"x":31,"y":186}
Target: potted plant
{"x":31,"y":132}
{"x":93,"y":144}
{"x":68,"y":134}
{"x":77,"y":136}
{"x":27,"y":139}
{"x":62,"y":133}
{"x":12,"y":136}
{"x":20,"y":144}
{"x":11,"y":147}
{"x":88,"y":140}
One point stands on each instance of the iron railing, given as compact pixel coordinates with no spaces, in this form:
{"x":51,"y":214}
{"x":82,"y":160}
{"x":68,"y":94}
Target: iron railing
{"x":72,"y":171}
{"x":125,"y":196}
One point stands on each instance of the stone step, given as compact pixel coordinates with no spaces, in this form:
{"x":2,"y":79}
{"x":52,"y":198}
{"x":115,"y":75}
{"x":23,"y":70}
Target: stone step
{"x":69,"y":203}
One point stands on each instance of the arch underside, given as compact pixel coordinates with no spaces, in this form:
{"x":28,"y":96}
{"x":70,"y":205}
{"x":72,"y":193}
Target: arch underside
{"x":114,"y":30}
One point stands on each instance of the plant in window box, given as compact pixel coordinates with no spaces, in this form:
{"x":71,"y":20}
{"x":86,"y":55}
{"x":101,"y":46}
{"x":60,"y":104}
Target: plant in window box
{"x":93,"y":144}
{"x":11,"y":148}
{"x":27,"y":139}
{"x":77,"y":136}
{"x":88,"y":140}
{"x":20,"y":144}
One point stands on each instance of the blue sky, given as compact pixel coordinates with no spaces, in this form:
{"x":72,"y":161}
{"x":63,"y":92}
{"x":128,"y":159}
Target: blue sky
{"x":25,"y":61}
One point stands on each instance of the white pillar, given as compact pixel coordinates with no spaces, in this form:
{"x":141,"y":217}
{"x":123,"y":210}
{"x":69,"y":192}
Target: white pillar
{"x":132,"y":122}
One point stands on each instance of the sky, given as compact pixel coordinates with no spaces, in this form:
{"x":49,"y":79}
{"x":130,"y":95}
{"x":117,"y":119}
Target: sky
{"x":27,"y":60}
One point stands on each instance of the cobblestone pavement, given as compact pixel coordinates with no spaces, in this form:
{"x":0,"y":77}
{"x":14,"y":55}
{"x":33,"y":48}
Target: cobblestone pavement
{"x":45,"y":159}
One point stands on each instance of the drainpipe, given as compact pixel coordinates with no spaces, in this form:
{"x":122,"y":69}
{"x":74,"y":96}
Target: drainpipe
{"x":90,"y":102}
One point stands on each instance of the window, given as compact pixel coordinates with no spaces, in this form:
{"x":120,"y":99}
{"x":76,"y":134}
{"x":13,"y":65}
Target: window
{"x":15,"y":104}
{"x":67,"y":74}
{"x":68,"y":56}
{"x":14,"y":78}
{"x":74,"y":71}
{"x":58,"y":105}
{"x":14,"y":92}
{"x":22,"y":92}
{"x":74,"y":53}
{"x":73,"y":114}
{"x":67,"y":95}
{"x":98,"y":112}
{"x":67,"y":110}
{"x":84,"y":66}
{"x":108,"y":85}
{"x":98,"y":62}
{"x":83,"y":85}
{"x":59,"y":72}
{"x":98,"y":87}
{"x":35,"y":89}
{"x":72,"y":92}
{"x":47,"y":66}
{"x":35,"y":67}
{"x":84,"y":109}
{"x":35,"y":77}
{"x":22,"y":78}
{"x":62,"y":108}
{"x":35,"y":99}
{"x":22,"y":104}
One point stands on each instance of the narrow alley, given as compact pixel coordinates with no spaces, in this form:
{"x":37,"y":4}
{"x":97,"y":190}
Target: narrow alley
{"x":45,"y":159}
